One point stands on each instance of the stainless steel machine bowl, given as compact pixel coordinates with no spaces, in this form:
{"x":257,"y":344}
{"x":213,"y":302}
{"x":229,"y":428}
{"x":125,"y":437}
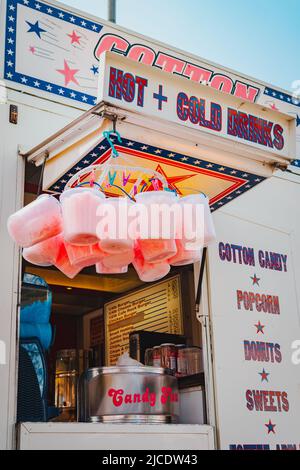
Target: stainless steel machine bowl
{"x":128,"y":394}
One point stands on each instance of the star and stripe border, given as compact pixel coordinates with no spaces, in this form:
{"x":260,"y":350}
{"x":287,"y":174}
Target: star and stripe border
{"x":10,"y":49}
{"x":10,"y":57}
{"x":240,"y":181}
{"x":289,"y":99}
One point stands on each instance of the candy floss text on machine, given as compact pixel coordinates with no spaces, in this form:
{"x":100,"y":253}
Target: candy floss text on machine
{"x":108,"y":95}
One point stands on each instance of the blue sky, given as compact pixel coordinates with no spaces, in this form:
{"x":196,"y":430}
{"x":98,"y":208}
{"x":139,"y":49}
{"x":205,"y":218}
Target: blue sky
{"x":260,"y":38}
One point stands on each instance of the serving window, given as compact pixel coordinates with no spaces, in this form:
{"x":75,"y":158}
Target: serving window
{"x":92,"y":320}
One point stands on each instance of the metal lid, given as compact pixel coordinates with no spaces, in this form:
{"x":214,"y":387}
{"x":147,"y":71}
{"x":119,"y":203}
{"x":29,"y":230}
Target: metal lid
{"x":167,"y":344}
{"x":95,"y":371}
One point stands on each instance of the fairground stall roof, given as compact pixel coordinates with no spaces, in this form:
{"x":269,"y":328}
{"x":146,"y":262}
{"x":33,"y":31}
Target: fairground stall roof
{"x":197,"y":138}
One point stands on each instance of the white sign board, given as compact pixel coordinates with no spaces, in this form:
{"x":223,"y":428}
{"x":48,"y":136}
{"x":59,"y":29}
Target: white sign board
{"x":53,"y":50}
{"x":150,"y":91}
{"x":254,"y":324}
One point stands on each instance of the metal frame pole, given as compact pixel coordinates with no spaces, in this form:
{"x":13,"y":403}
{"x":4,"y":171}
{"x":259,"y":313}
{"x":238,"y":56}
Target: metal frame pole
{"x":112,"y":10}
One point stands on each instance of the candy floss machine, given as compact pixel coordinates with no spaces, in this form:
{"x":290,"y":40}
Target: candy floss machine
{"x":128,"y":394}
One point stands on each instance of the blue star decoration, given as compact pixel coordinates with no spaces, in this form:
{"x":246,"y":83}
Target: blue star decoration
{"x":255,"y":280}
{"x":264,"y":375}
{"x":260,"y":328}
{"x":35,"y":28}
{"x":270,"y":427}
{"x":297,"y":121}
{"x":94,"y":69}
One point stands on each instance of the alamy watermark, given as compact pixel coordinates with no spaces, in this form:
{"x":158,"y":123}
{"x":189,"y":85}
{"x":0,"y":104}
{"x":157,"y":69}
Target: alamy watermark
{"x":296,"y":352}
{"x":121,"y":219}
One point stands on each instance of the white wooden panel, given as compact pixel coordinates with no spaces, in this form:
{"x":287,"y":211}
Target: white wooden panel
{"x":36,"y":121}
{"x":242,"y":417}
{"x":84,"y":436}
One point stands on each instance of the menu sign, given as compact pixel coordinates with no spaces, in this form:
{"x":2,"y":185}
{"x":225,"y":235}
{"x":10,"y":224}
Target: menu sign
{"x":254,"y":323}
{"x":154,"y":308}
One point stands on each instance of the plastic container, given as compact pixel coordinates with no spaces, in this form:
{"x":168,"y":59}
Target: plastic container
{"x":184,"y":256}
{"x":205,"y":234}
{"x":158,"y":248}
{"x":85,"y":255}
{"x":120,"y":259}
{"x":101,"y":269}
{"x":149,"y":272}
{"x":79,"y":211}
{"x":36,"y":222}
{"x":44,"y":253}
{"x":114,"y":237}
{"x":189,"y":361}
{"x":64,"y":265}
{"x":148,"y":358}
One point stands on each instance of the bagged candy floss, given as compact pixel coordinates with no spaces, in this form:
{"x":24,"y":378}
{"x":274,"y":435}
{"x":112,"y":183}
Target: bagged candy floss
{"x":39,"y":220}
{"x":183,"y":256}
{"x":44,"y":253}
{"x":126,"y":360}
{"x":63,"y":262}
{"x":120,"y":259}
{"x":79,"y":211}
{"x":101,"y":269}
{"x":85,"y":255}
{"x":153,"y":243}
{"x":113,"y":228}
{"x":149,"y":272}
{"x":198,"y":226}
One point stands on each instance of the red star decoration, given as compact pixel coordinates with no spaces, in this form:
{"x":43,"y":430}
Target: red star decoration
{"x":255,"y":279}
{"x":270,"y":427}
{"x":32,"y":49}
{"x":68,"y":73}
{"x":264,"y":375}
{"x":260,"y":328}
{"x":171,"y":180}
{"x":274,"y":107}
{"x":74,"y":38}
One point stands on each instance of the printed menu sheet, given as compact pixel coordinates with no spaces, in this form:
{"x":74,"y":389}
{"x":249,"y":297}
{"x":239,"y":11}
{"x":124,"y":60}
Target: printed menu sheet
{"x":154,"y":308}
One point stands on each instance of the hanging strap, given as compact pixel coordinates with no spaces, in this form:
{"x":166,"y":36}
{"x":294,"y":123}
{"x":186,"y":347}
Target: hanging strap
{"x":107,"y":135}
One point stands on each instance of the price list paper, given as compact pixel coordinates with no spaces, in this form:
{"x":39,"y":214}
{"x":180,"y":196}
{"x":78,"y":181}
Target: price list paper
{"x":155,"y":308}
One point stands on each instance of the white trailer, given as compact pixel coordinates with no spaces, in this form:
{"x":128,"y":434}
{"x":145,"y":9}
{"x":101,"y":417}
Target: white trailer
{"x":249,"y":313}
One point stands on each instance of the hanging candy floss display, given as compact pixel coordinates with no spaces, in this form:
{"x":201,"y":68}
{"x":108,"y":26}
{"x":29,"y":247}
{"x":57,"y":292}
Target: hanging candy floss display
{"x":118,"y":260}
{"x":39,"y":220}
{"x":101,"y":269}
{"x":44,"y":253}
{"x":112,"y":228}
{"x":151,"y":257}
{"x":156,"y":238}
{"x":63,"y":262}
{"x":84,"y":255}
{"x":149,"y":272}
{"x":150,"y":227}
{"x":79,"y":211}
{"x":197,"y":227}
{"x":184,"y":256}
